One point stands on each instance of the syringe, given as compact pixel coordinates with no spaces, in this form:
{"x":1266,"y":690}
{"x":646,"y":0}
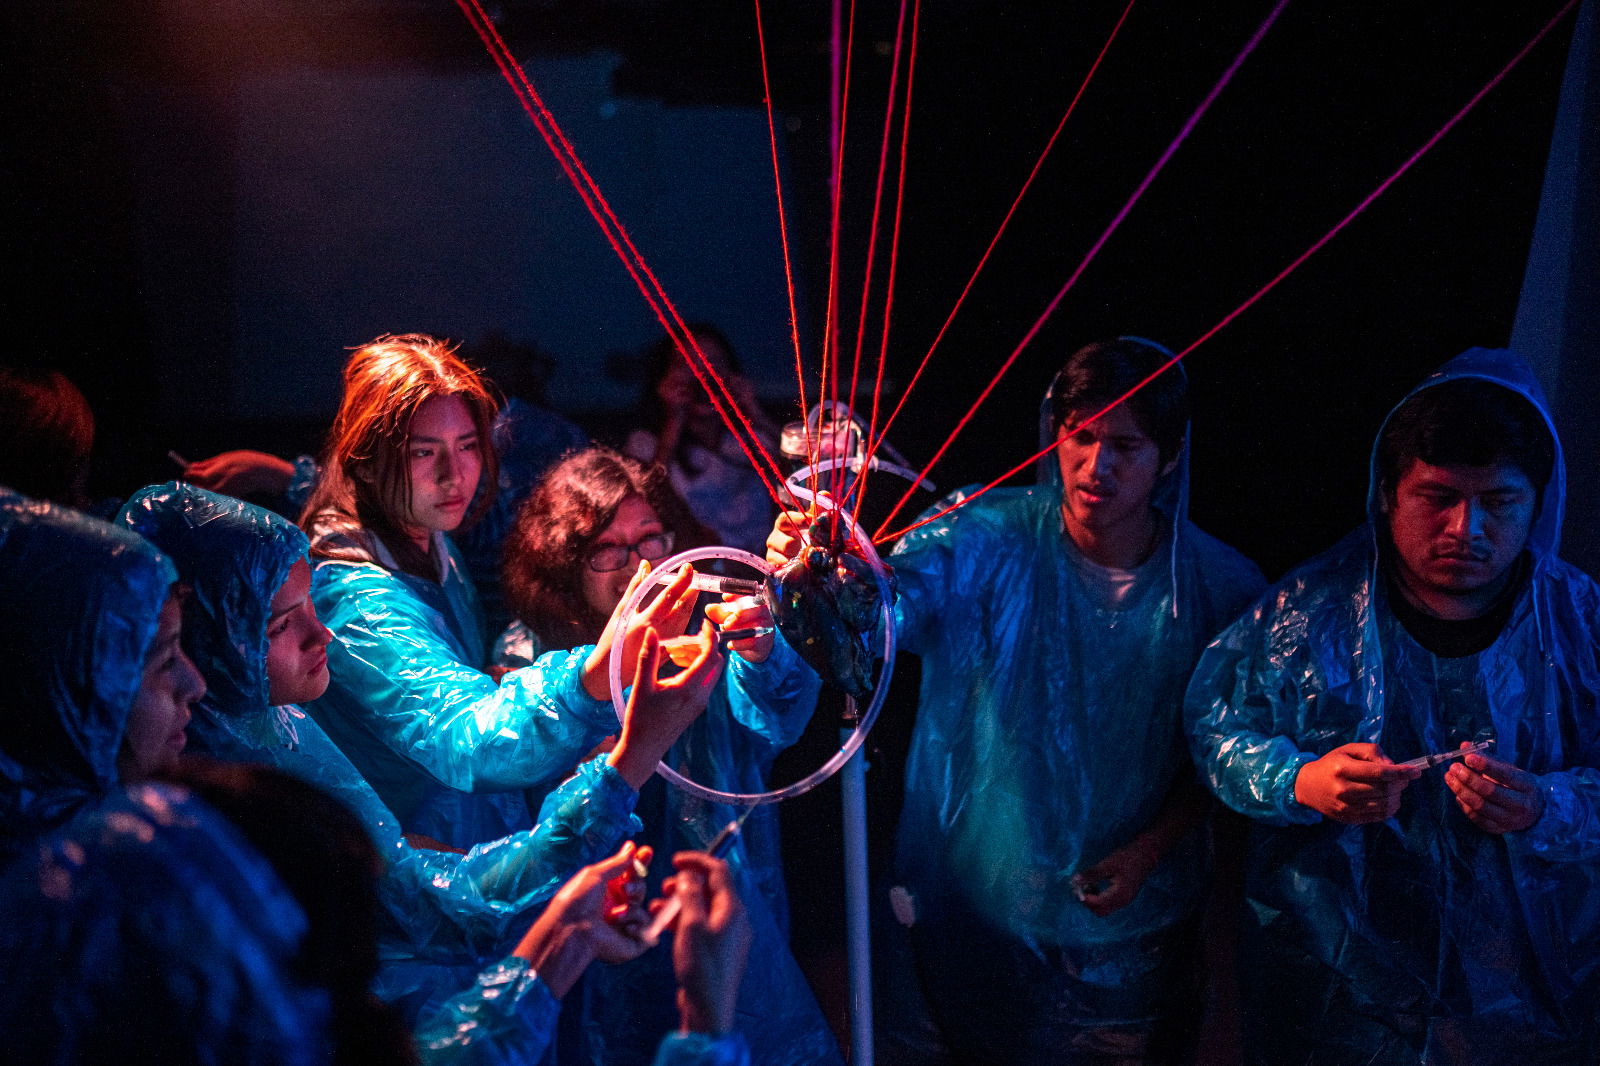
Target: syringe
{"x":728,"y":586}
{"x":716,"y":849}
{"x":1426,"y":762}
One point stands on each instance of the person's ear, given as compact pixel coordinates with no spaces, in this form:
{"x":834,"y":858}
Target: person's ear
{"x":1177,"y":457}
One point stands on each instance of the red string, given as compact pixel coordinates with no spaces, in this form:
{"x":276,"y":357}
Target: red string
{"x":590,"y":193}
{"x":617,"y":236}
{"x":783,"y":232}
{"x":984,"y":258}
{"x":1294,"y":264}
{"x":877,"y":203}
{"x":860,"y":485}
{"x":830,"y":344}
{"x":1094,"y":250}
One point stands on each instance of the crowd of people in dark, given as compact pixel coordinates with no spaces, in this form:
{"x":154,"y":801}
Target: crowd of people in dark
{"x":344,"y":780}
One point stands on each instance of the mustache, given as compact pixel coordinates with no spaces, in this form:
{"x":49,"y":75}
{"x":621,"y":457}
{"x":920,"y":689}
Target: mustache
{"x":1465,"y":552}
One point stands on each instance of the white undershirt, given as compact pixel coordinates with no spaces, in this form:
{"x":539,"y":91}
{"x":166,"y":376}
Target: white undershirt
{"x":1108,"y":586}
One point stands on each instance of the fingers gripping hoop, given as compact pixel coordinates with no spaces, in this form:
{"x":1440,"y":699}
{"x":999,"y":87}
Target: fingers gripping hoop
{"x":665,"y":572}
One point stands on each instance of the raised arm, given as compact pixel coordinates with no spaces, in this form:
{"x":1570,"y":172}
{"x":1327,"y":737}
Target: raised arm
{"x":401,"y":679}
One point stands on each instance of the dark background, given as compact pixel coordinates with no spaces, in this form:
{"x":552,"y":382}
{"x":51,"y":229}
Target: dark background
{"x":154,"y":326}
{"x":183,"y":250}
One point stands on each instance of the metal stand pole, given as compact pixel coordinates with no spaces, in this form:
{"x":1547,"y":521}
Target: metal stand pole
{"x":858,"y":929}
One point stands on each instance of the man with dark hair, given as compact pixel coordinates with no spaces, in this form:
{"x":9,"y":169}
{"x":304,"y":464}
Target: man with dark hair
{"x":1403,"y":911}
{"x":1049,"y":867}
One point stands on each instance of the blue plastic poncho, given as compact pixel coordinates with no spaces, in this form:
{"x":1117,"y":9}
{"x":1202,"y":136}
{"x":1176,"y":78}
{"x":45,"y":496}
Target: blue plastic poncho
{"x":148,"y":931}
{"x":1423,"y":938}
{"x":444,"y":913}
{"x":447,"y":749}
{"x":1048,"y":735}
{"x":755,"y":712}
{"x":528,"y":439}
{"x":81,"y":606}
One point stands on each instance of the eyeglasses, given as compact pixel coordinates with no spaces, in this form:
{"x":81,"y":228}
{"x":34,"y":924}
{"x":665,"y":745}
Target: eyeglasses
{"x":608,"y":557}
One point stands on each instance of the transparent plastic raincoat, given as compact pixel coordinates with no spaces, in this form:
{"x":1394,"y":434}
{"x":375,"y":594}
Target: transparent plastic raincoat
{"x":1421,"y":939}
{"x":445,"y":914}
{"x":148,"y":931}
{"x":529,"y":440}
{"x":756,"y":711}
{"x":447,"y":749}
{"x":1048,"y":735}
{"x":81,"y":605}
{"x":137,"y":926}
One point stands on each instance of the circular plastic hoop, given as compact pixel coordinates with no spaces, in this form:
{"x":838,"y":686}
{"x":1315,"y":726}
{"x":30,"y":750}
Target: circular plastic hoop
{"x":665,"y":572}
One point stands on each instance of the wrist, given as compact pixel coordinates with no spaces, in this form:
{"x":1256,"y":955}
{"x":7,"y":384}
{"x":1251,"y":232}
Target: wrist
{"x":696,"y":1017}
{"x":633,"y":764}
{"x":1304,"y":788}
{"x":558,"y":954}
{"x":596,"y":684}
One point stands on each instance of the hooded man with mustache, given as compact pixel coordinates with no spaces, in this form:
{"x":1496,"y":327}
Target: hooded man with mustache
{"x":1401,"y":911}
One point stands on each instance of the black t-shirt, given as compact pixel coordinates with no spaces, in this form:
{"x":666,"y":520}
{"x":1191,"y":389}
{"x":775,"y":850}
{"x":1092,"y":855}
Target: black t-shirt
{"x":1453,"y":639}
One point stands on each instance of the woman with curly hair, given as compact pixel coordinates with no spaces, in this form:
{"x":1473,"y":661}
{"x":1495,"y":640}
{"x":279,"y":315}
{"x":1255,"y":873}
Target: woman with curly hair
{"x":596,"y":518}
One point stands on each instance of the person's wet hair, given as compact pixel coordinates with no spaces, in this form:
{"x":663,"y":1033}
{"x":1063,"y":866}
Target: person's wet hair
{"x":1466,"y":422}
{"x":1098,"y":374}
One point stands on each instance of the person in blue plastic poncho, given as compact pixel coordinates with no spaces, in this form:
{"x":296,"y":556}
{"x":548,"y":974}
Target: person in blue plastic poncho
{"x":327,"y":860}
{"x":97,"y":688}
{"x":1048,"y":851}
{"x":251,"y":628}
{"x":528,"y":439}
{"x":137,"y":928}
{"x":447,"y":749}
{"x":568,"y":564}
{"x":1397,"y":914}
{"x":148,"y":932}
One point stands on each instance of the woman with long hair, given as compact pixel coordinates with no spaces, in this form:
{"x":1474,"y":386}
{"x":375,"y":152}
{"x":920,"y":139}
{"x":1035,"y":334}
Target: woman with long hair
{"x":567,"y":567}
{"x":447,"y":749}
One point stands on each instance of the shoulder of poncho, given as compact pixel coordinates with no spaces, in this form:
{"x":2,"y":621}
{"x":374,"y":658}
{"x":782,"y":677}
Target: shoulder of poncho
{"x":1321,"y":594}
{"x":353,"y":574}
{"x":1563,"y":583}
{"x":1221,"y":563}
{"x":998,"y":510}
{"x":345,"y":591}
{"x":1329,"y":591}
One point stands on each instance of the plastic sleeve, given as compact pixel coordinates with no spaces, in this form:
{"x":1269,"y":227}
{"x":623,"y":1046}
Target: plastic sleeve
{"x":1229,"y":709}
{"x":701,"y":1049}
{"x":1569,"y":828}
{"x":774,"y":699}
{"x":507,"y":1016}
{"x":449,"y":718}
{"x":473,"y":905}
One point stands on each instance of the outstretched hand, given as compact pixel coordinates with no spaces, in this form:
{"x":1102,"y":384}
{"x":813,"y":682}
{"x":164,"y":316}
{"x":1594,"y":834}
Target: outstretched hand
{"x":666,"y":615}
{"x":660,"y":709}
{"x":241,"y":473}
{"x":711,"y":943}
{"x":744,"y":612}
{"x":575,"y":929}
{"x":786,"y":538}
